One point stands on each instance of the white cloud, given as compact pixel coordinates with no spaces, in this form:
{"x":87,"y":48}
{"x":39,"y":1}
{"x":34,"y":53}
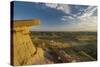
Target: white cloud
{"x":85,"y":22}
{"x":89,"y":11}
{"x":63,"y":7}
{"x":67,"y":17}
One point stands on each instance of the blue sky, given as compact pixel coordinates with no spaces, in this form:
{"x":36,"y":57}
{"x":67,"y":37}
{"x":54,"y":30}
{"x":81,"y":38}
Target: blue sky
{"x":57,"y":17}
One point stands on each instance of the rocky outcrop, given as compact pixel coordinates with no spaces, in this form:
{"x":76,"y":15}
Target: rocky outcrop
{"x":23,"y":51}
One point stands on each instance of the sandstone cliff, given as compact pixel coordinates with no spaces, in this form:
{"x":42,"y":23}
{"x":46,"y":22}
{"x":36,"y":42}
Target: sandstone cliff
{"x":23,"y":50}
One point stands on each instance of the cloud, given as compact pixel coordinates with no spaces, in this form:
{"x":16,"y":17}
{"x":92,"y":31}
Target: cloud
{"x":67,"y":20}
{"x":84,"y":22}
{"x":63,"y":7}
{"x":87,"y":23}
{"x":67,"y":17}
{"x":89,"y":11}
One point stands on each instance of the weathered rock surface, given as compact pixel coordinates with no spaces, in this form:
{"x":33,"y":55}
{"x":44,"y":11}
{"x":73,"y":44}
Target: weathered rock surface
{"x":23,"y":50}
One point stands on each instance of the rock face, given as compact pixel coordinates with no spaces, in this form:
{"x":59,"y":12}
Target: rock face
{"x":23,"y":51}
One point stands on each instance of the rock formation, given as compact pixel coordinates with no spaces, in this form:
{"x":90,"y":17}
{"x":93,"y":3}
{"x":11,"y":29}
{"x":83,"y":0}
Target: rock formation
{"x":23,"y":51}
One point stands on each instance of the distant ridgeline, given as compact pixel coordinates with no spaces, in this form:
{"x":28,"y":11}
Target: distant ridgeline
{"x":23,"y":51}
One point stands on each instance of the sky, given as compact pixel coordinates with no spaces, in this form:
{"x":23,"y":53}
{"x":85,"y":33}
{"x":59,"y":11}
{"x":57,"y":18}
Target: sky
{"x":56,"y":16}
